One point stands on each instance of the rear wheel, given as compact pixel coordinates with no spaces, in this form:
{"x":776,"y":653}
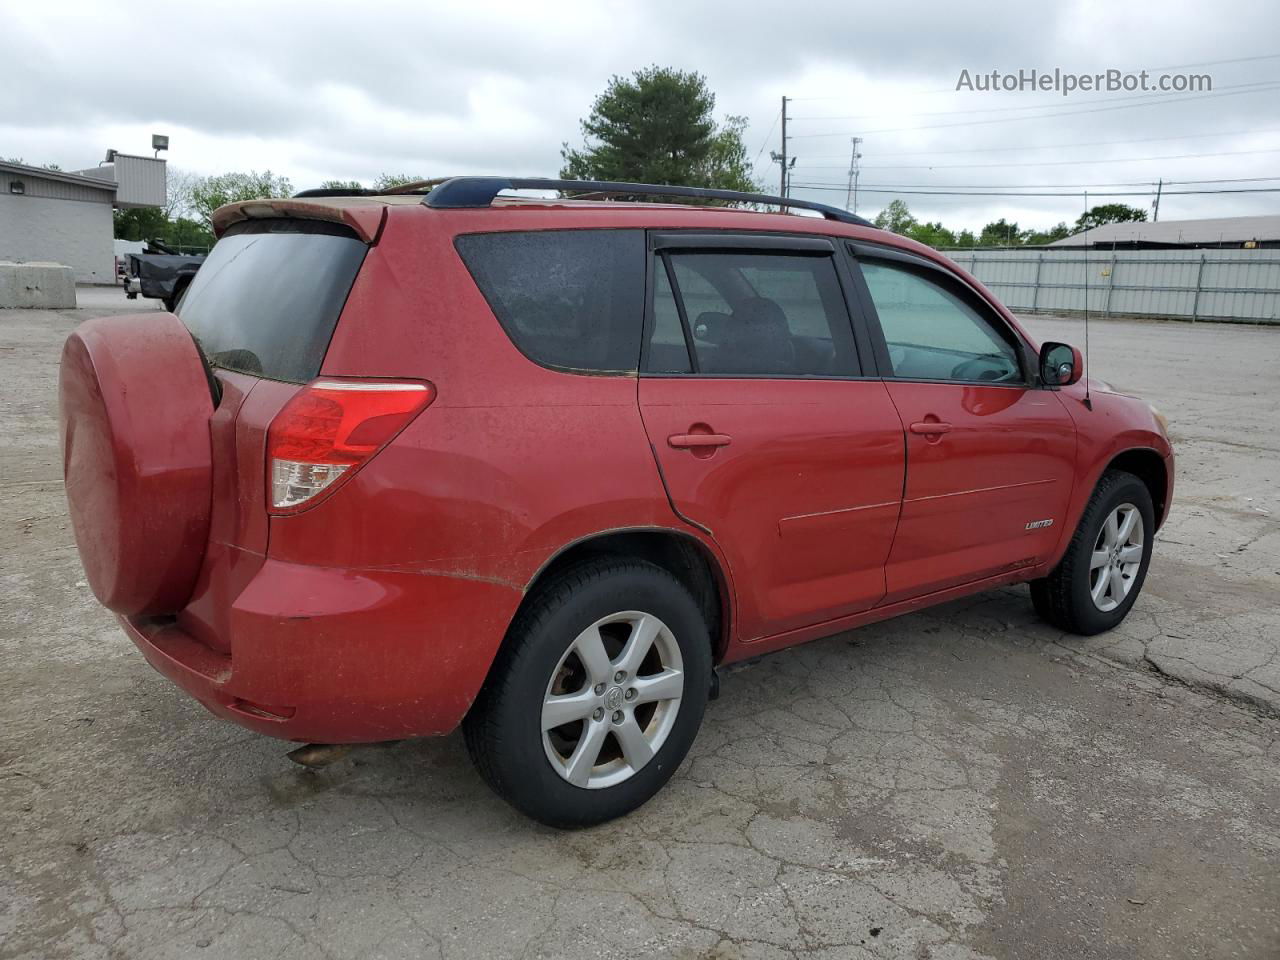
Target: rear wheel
{"x":597,"y":695}
{"x":1103,"y":570}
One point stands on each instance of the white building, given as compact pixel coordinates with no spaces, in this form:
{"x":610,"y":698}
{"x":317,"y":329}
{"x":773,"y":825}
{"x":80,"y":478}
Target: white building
{"x":1236,"y":233}
{"x":65,"y":217}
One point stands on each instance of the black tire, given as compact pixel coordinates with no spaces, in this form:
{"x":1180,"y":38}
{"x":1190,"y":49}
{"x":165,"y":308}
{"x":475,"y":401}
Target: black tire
{"x":1063,"y":597}
{"x":503,"y":730}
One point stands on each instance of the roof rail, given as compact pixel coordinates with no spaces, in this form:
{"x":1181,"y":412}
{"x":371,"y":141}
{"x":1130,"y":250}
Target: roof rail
{"x":464,"y":192}
{"x":335,"y":192}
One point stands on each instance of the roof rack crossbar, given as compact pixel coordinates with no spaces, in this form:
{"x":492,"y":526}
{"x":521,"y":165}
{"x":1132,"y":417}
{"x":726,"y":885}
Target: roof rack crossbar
{"x":470,"y":192}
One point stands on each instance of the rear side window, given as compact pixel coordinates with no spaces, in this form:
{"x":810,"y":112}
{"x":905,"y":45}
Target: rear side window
{"x":266,"y":300}
{"x":572,"y":299}
{"x":751,"y":314}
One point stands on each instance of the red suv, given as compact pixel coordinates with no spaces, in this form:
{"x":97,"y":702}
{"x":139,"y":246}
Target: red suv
{"x":537,"y":466}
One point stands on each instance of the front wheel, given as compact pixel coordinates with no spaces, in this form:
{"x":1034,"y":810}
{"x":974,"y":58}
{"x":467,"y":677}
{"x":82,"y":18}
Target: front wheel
{"x":1103,"y":570}
{"x":597,"y":695}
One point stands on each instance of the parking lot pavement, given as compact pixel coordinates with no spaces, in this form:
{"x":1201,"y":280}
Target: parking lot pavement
{"x":93,"y":299}
{"x":1210,"y":614}
{"x":960,"y":783}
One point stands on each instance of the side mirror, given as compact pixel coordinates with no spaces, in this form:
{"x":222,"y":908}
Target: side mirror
{"x":1060,"y":365}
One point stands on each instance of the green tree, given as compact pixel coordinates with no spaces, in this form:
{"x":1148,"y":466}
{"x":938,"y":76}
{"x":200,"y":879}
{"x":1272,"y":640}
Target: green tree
{"x":965,"y":238}
{"x":932,"y":234}
{"x":1108,"y":213}
{"x":188,"y":234}
{"x":727,"y":166}
{"x":141,"y":223}
{"x":341,"y":185}
{"x":171,"y":224}
{"x":896,"y":217}
{"x":150,"y":223}
{"x":1042,"y":237}
{"x":178,"y":186}
{"x":658,"y":126}
{"x":387,"y":181}
{"x":210,"y":193}
{"x":1000,"y":233}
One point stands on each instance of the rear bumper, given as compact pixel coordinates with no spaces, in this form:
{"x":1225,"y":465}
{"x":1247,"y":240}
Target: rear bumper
{"x":341,"y":656}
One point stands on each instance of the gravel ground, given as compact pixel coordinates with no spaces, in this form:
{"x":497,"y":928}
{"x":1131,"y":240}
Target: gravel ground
{"x":960,"y":783}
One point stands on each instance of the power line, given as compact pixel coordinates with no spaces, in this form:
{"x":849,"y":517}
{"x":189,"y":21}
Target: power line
{"x":1061,"y":146}
{"x":1180,"y":66}
{"x":1070,"y":193}
{"x":1045,"y":116}
{"x":1215,"y":63}
{"x":1058,"y":163}
{"x":1047,"y":186}
{"x":764,"y":144}
{"x":1228,"y":180}
{"x":1034,"y":106}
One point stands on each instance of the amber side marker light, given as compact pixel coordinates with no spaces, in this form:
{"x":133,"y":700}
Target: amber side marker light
{"x":329,"y":429}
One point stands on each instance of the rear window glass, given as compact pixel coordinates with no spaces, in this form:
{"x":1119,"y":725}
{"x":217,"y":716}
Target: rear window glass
{"x":572,"y":299}
{"x":267,"y":299}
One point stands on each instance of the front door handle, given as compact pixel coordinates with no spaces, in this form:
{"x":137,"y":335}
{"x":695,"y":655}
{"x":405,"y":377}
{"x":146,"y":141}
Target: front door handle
{"x":931,"y":428}
{"x":697,"y":440}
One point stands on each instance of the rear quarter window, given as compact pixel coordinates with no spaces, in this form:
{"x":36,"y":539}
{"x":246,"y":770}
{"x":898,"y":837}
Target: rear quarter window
{"x":267,"y":299}
{"x":569,"y":299}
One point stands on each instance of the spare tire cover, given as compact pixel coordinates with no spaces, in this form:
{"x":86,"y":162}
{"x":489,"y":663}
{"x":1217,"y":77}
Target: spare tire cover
{"x":135,"y":403}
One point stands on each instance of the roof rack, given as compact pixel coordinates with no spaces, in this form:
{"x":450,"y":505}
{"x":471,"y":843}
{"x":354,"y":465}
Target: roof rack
{"x":415,"y":186}
{"x":465,"y":192}
{"x":335,"y":192}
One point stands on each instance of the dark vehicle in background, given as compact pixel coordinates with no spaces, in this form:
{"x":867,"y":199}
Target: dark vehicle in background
{"x":159,"y":274}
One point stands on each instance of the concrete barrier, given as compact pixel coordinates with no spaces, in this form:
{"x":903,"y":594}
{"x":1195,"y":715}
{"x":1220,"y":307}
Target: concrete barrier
{"x":49,"y":286}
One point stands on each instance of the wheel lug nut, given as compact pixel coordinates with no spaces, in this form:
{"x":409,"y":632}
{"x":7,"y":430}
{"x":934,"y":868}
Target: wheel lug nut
{"x":617,"y":716}
{"x":620,"y":676}
{"x":631,"y":694}
{"x":598,"y":714}
{"x":599,"y":689}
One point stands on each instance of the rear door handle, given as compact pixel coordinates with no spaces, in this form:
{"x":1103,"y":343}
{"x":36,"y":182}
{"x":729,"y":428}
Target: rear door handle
{"x":696,"y":440}
{"x":930,"y":427}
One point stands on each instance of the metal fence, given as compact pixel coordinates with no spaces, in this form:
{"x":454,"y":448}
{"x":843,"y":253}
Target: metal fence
{"x":1236,"y":285}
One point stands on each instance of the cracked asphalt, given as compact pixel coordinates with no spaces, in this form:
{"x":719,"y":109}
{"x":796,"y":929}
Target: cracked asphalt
{"x":960,"y":783}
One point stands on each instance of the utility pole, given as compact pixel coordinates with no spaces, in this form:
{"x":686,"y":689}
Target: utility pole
{"x":851,"y":195}
{"x":781,"y":158}
{"x":1155,"y":217}
{"x":784,"y":146}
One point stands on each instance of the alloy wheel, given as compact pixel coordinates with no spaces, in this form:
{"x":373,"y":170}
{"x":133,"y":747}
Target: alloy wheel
{"x":612,"y":699}
{"x":1116,"y":558}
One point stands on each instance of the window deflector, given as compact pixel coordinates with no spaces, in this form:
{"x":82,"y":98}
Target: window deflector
{"x":755,"y":242}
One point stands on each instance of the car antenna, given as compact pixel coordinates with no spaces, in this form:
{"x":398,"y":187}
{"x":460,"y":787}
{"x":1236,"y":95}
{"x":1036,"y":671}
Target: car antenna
{"x":1088,"y":401}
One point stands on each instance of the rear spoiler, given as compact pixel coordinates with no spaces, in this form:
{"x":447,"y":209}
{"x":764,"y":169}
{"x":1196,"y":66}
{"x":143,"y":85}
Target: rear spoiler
{"x":364,"y":218}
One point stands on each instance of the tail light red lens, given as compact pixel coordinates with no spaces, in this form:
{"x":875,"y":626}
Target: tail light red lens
{"x":329,"y":428}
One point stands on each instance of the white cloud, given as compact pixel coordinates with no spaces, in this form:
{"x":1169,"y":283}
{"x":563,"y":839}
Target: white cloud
{"x":320,"y":90}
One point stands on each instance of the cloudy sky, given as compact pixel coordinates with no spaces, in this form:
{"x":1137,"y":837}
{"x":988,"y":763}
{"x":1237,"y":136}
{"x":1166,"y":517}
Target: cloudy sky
{"x":318,"y":91}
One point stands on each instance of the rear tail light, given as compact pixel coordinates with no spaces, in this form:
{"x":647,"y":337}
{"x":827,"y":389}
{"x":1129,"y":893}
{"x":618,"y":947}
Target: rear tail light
{"x":329,"y":428}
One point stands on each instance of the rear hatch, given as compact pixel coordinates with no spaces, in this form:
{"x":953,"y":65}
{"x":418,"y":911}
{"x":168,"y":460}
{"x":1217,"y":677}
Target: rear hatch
{"x":263,"y":309}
